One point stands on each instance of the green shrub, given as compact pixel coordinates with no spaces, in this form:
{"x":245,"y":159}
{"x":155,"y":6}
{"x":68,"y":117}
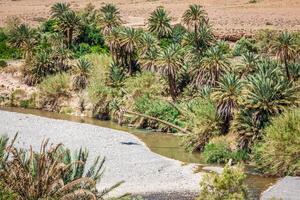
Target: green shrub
{"x":6,"y":194}
{"x":278,"y":153}
{"x":56,"y":85}
{"x":227,"y":186}
{"x":145,"y":83}
{"x":202,"y":120}
{"x":244,"y":45}
{"x":220,"y":152}
{"x":7,"y":52}
{"x":52,"y":88}
{"x":3,"y":64}
{"x":158,"y":109}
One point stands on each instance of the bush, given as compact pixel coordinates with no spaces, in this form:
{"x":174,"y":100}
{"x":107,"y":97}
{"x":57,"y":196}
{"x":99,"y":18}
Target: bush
{"x":52,"y":88}
{"x":6,"y":194}
{"x":278,"y":153}
{"x":220,"y":152}
{"x":202,"y":120}
{"x":145,"y":83}
{"x":158,"y":109}
{"x":7,"y":52}
{"x":244,"y":45}
{"x":52,"y":173}
{"x":227,"y":186}
{"x":3,"y":64}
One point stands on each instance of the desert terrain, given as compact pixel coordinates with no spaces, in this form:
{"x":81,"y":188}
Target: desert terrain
{"x":227,"y":16}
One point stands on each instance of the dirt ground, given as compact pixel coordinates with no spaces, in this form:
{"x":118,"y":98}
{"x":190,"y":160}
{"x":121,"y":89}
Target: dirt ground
{"x":226,"y":15}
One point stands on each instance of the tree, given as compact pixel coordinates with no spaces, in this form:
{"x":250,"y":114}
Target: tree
{"x":59,"y":9}
{"x":130,"y":40}
{"x":169,"y":62}
{"x":227,"y":97}
{"x":210,"y":68}
{"x":24,"y":37}
{"x":159,"y":22}
{"x":285,"y":49}
{"x":249,"y":63}
{"x":69,"y":22}
{"x":194,"y":17}
{"x":109,"y":18}
{"x":82,"y":72}
{"x":267,"y":93}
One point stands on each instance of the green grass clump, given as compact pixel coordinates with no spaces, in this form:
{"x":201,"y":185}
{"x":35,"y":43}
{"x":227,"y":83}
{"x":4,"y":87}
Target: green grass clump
{"x":220,"y":152}
{"x":226,"y":186}
{"x":244,"y":45}
{"x":56,"y":85}
{"x":278,"y":153}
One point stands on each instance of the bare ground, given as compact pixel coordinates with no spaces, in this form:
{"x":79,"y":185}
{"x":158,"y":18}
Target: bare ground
{"x":227,"y":16}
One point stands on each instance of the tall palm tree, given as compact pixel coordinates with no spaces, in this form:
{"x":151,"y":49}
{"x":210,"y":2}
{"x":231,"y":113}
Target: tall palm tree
{"x":58,"y":9}
{"x":69,"y":22}
{"x":202,"y":40}
{"x":169,"y":63}
{"x":267,"y":94}
{"x":194,"y":17}
{"x":109,"y":18}
{"x":148,"y":43}
{"x":130,"y":39}
{"x":82,"y":72}
{"x":227,"y":97}
{"x":159,"y":22}
{"x":113,"y":41}
{"x":210,"y":68}
{"x":285,"y":49}
{"x":25,"y":38}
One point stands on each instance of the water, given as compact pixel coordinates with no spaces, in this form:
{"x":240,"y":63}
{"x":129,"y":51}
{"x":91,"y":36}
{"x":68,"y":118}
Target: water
{"x":161,"y":143}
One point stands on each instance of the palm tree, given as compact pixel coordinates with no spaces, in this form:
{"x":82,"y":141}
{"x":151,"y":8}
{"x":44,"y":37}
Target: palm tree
{"x":148,"y":43}
{"x":148,"y":60}
{"x":227,"y":97}
{"x":169,"y":63}
{"x":194,"y":17}
{"x":159,"y":22}
{"x":109,"y":18}
{"x":249,"y":63}
{"x":285,"y":49}
{"x":25,"y":38}
{"x":267,"y":94}
{"x":82,"y":72}
{"x":210,"y":68}
{"x":201,"y":40}
{"x":130,"y":39}
{"x":69,"y":22}
{"x":52,"y":173}
{"x":59,"y":9}
{"x":113,"y":41}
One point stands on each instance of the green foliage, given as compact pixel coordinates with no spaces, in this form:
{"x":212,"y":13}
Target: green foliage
{"x":227,"y":186}
{"x":54,"y":86}
{"x":202,"y":119}
{"x":220,"y":152}
{"x":6,"y":194}
{"x":26,"y":171}
{"x":145,"y":83}
{"x":158,"y":109}
{"x":7,"y":52}
{"x":278,"y":153}
{"x":3,"y":64}
{"x":244,"y":45}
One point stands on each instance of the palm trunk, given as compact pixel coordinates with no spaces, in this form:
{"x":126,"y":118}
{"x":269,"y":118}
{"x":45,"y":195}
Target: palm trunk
{"x":172,"y":87}
{"x":70,"y":37}
{"x":286,"y":67}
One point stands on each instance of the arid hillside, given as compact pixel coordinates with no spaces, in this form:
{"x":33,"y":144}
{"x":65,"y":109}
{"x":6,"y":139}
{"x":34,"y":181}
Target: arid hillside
{"x":226,"y":15}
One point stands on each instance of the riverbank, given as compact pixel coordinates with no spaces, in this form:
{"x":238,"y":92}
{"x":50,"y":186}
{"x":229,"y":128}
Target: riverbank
{"x":127,"y":158}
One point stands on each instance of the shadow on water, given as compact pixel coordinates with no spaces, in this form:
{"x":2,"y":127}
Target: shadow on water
{"x":161,"y":143}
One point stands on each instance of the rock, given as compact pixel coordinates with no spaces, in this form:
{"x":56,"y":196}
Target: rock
{"x":287,"y":188}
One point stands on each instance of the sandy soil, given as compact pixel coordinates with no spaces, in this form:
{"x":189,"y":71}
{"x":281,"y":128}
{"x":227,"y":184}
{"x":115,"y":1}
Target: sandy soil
{"x":226,"y":15}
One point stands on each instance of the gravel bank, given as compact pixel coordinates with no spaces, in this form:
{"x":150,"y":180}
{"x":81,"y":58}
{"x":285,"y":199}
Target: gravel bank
{"x":127,"y":158}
